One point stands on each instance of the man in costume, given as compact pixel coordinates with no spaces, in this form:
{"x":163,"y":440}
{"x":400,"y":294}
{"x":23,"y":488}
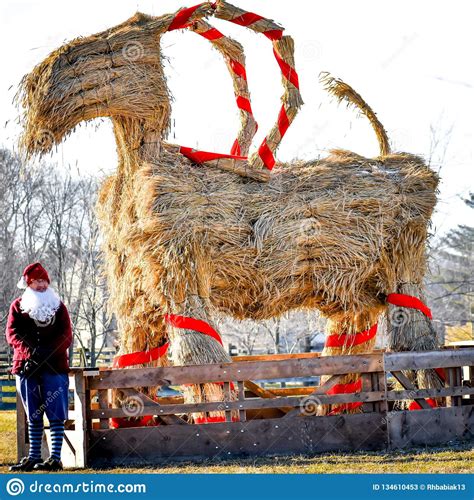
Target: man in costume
{"x":39,"y":330}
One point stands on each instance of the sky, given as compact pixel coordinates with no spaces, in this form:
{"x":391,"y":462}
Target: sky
{"x":411,"y":61}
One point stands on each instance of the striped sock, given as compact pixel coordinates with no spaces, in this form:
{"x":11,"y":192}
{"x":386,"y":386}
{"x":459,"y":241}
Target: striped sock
{"x":35,"y":434}
{"x":57,"y":435}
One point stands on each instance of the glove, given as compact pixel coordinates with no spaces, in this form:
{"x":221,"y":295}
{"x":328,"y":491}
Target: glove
{"x":29,"y":367}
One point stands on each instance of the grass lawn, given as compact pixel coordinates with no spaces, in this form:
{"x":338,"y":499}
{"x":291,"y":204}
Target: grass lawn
{"x":458,"y":458}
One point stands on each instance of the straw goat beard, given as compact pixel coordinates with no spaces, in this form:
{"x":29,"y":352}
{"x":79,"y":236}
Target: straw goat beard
{"x":40,"y":306}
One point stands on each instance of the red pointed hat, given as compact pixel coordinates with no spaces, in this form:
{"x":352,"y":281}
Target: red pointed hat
{"x":35,"y":271}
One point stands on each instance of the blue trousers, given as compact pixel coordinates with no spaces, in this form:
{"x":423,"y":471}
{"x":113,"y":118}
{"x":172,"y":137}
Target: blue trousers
{"x":44,"y":393}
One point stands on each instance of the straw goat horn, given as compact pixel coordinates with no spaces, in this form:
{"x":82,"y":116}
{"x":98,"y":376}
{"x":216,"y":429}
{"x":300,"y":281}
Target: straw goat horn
{"x":283,"y":50}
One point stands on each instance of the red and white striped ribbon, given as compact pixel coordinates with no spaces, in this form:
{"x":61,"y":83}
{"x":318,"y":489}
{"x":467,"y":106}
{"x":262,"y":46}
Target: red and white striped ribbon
{"x":265,"y":155}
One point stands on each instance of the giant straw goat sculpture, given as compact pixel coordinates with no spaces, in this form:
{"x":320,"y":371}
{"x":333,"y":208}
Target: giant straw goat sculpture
{"x":184,"y":241}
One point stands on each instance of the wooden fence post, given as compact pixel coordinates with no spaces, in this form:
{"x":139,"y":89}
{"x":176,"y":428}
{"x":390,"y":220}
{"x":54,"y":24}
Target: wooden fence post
{"x":381,"y":406}
{"x":81,"y":400}
{"x":103,"y":396}
{"x":242,"y":413}
{"x":21,"y":429}
{"x":368,"y":386}
{"x":454,"y":378}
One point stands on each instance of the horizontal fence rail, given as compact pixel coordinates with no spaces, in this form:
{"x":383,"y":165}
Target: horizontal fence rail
{"x":422,"y":360}
{"x":248,"y":370}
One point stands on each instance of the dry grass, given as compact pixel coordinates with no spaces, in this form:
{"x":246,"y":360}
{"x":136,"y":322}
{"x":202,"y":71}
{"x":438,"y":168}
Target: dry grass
{"x":8,"y":434}
{"x":458,"y":458}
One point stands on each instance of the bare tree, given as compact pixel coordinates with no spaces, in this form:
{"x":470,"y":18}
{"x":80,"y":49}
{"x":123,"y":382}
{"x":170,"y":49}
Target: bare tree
{"x":300,"y":331}
{"x":450,"y":285}
{"x":47,"y":214}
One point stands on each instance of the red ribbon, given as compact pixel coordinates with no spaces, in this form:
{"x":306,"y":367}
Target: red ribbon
{"x":246,"y":19}
{"x":211,"y":34}
{"x":266,"y":155}
{"x":235,"y":150}
{"x":345,"y":406}
{"x":345,"y":389}
{"x":283,"y":121}
{"x":140,"y":357}
{"x":243,"y":103}
{"x":208,"y":420}
{"x":337,"y":340}
{"x":181,"y":19}
{"x":415,"y":406}
{"x":273,"y":34}
{"x":249,"y":18}
{"x":346,"y":339}
{"x":238,"y":69}
{"x":193,"y":324}
{"x":288,"y":72}
{"x":203,"y":156}
{"x":123,"y":422}
{"x":402,"y":300}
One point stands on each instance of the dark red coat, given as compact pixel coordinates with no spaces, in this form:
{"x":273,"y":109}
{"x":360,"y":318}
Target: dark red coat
{"x":53,"y":340}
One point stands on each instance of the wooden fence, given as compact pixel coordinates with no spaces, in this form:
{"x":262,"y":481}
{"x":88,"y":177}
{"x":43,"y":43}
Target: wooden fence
{"x":266,"y":422}
{"x":7,"y":394}
{"x":102,"y":358}
{"x":5,"y":363}
{"x":7,"y":382}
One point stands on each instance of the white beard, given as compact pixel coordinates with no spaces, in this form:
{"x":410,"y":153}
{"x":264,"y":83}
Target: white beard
{"x":40,"y":306}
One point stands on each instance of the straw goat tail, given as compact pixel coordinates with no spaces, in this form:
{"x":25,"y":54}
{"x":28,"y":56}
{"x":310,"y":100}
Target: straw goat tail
{"x":344,"y":92}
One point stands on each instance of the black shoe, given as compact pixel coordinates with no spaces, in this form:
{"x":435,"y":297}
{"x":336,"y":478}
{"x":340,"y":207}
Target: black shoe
{"x":26,"y":464}
{"x":49,"y":465}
